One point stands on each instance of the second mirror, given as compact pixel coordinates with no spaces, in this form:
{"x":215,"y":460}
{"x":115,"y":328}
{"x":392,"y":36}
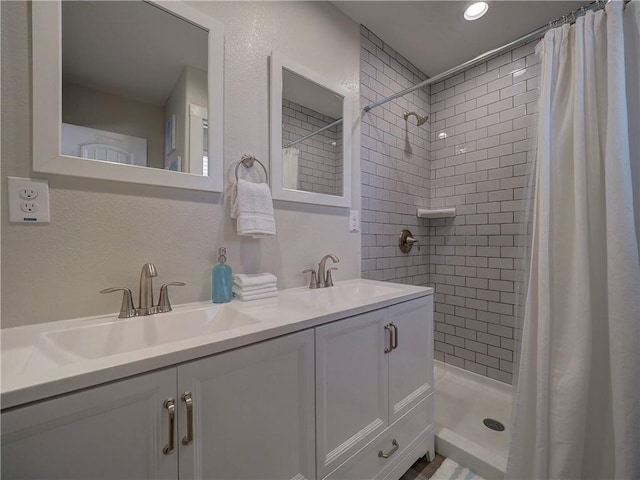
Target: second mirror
{"x":312,"y":140}
{"x":310,"y":153}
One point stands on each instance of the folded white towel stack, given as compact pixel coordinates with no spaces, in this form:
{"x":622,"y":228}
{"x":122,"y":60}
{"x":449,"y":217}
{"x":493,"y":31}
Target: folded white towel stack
{"x":254,"y":286}
{"x":252,"y":205}
{"x":254,"y":279}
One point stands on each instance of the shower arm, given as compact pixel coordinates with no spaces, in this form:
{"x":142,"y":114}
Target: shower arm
{"x":420,"y":119}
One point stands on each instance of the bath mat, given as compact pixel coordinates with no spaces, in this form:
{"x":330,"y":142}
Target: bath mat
{"x":450,"y":470}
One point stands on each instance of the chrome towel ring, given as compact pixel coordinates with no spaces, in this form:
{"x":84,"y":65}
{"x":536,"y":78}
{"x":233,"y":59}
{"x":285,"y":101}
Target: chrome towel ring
{"x":248,"y":161}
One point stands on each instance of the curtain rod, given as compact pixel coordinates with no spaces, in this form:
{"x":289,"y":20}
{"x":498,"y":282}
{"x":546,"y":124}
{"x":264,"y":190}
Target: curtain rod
{"x":309,"y":135}
{"x":597,"y":5}
{"x":570,"y":17}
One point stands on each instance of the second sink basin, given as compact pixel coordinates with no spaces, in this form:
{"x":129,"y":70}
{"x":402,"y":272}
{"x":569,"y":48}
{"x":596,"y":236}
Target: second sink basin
{"x":343,"y":294}
{"x":114,"y":336}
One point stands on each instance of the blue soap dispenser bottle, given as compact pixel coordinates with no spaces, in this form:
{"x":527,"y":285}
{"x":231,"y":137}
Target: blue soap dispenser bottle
{"x":221,"y":279}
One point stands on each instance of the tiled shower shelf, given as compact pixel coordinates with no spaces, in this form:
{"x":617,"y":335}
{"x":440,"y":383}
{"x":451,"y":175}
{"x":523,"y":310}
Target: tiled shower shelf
{"x":436,"y":212}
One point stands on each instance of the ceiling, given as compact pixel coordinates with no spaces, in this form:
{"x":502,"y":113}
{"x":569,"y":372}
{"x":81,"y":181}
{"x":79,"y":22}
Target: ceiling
{"x":298,"y":89}
{"x":434,"y":36}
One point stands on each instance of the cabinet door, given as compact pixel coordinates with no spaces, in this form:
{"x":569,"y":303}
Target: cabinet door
{"x":115,"y":431}
{"x":351,"y":386}
{"x":253,"y":412}
{"x":411,"y":362}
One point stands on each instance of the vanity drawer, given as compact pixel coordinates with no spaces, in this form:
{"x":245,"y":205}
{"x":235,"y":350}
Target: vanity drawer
{"x":368,"y":464}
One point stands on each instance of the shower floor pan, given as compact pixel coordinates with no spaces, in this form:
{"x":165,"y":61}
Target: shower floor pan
{"x":463,"y":401}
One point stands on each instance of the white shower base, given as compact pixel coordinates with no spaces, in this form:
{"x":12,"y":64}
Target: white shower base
{"x":463,"y":400}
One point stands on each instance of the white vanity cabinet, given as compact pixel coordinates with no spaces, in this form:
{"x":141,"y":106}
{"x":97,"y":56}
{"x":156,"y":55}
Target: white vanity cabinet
{"x":374,"y":377}
{"x":345,"y":395}
{"x":411,"y":362}
{"x":252,"y":412}
{"x":114,"y":431}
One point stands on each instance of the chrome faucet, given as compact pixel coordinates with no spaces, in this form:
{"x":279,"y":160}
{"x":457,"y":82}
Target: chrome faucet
{"x":145,"y":296}
{"x":324,"y":276}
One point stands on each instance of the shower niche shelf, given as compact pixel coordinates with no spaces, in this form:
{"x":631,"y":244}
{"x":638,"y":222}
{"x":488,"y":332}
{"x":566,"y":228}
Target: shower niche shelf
{"x":436,"y":212}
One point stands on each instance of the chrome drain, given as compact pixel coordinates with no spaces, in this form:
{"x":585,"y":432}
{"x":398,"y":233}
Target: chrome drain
{"x":493,"y":424}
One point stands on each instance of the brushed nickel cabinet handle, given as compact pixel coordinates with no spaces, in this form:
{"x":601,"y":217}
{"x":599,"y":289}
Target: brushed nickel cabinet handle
{"x":395,"y":336}
{"x":387,"y":327}
{"x":170,"y":405}
{"x":381,"y":454}
{"x":188,"y":400}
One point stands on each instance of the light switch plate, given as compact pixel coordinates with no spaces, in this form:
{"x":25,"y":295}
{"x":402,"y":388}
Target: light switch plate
{"x":354,"y":221}
{"x":28,"y":200}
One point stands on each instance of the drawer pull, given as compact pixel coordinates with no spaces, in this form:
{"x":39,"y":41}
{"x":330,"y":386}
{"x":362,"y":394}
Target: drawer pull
{"x":388,"y":329}
{"x":170,"y":405}
{"x":395,"y":336}
{"x":381,"y":454}
{"x":188,"y":438}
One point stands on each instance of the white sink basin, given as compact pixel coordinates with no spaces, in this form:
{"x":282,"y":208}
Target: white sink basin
{"x":344,"y":294}
{"x":45,"y":359}
{"x":114,"y":336}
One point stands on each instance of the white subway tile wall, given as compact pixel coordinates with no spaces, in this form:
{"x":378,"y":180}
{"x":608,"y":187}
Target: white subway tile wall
{"x":483,"y":123}
{"x":394,"y":165}
{"x":477,"y":159}
{"x":320,"y":159}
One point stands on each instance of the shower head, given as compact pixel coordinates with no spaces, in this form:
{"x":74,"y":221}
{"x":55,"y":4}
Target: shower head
{"x":421,"y":119}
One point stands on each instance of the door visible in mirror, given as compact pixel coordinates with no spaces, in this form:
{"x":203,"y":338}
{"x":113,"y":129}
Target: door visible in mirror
{"x":134,"y":86}
{"x":312,"y":139}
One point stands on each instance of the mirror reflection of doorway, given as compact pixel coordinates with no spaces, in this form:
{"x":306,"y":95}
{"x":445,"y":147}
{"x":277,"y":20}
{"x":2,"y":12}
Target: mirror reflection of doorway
{"x":98,"y":144}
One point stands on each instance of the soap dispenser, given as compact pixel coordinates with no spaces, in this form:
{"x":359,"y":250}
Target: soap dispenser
{"x":221,"y":279}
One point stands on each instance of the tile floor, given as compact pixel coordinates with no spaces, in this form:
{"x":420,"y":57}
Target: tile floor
{"x":421,"y":470}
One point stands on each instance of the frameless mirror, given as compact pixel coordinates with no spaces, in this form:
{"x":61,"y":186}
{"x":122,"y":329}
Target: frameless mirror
{"x":128,"y":91}
{"x":310,"y":146}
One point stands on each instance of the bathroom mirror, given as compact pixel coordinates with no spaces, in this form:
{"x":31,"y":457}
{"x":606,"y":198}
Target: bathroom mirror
{"x":310,"y":146}
{"x":129,"y":91}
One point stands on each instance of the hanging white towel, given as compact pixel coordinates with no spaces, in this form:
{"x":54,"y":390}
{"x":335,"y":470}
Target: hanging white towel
{"x":254,"y":279}
{"x":252,"y":206}
{"x":290,"y":168}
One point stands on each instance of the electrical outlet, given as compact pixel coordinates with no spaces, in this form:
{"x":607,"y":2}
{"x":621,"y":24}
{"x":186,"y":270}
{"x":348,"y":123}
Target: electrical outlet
{"x":29,"y":207}
{"x":28,"y":193}
{"x":28,"y":200}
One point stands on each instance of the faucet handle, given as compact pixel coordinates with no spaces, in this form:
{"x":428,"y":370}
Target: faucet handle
{"x":329,"y":281}
{"x":164,"y":305}
{"x":411,"y":241}
{"x":407,"y":240}
{"x":314,"y":279}
{"x":127,"y":310}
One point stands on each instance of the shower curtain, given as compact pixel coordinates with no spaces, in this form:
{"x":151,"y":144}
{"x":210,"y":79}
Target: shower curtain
{"x":290,"y":167}
{"x":577,"y":402}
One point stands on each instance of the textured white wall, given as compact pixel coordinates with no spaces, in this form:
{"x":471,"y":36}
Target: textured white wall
{"x":102,"y":232}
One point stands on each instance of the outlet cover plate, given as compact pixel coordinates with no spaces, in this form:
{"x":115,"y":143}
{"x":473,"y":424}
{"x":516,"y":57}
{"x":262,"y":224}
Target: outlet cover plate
{"x":28,"y":200}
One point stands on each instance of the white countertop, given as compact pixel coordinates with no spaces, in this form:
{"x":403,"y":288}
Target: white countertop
{"x":25,"y":380}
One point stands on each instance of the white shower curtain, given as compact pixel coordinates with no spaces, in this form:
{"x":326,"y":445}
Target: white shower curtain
{"x":577,"y":402}
{"x":290,"y":167}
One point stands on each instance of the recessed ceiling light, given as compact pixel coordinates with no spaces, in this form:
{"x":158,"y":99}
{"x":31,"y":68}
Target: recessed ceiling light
{"x":476,"y":10}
